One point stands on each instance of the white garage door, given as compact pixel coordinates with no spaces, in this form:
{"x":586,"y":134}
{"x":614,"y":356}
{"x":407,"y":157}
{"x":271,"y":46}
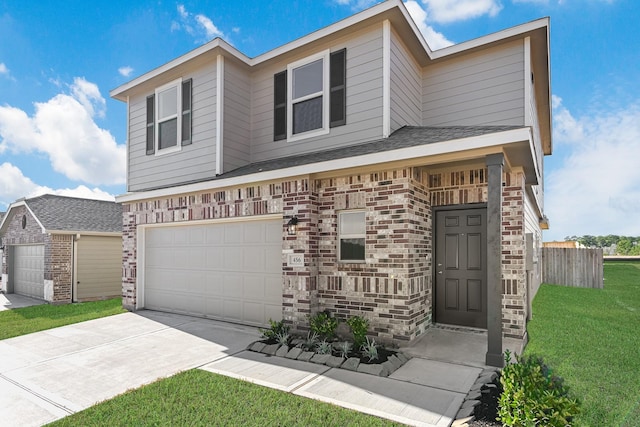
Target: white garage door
{"x":228,"y":271}
{"x":28,"y":270}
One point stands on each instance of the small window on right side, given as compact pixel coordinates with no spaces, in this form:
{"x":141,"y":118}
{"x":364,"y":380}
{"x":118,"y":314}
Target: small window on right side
{"x":351,"y":236}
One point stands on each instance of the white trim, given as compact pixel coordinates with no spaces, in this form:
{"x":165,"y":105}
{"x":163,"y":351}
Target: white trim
{"x":15,"y":205}
{"x":219,"y":114}
{"x":325,"y":57}
{"x":128,"y":130}
{"x":341,"y":236}
{"x":178,"y":116}
{"x":386,"y":78}
{"x":141,"y":234}
{"x":527,"y":82}
{"x":74,"y":274}
{"x":450,"y":147}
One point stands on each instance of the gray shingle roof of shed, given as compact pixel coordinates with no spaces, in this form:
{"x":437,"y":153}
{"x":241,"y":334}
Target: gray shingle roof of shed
{"x":73,"y":214}
{"x":405,"y":137}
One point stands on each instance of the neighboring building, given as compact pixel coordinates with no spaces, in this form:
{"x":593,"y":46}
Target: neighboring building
{"x":413,"y":179}
{"x":562,"y":244}
{"x":62,"y":249}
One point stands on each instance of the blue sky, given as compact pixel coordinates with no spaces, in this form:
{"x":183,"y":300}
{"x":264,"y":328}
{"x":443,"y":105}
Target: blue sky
{"x":60,"y":132}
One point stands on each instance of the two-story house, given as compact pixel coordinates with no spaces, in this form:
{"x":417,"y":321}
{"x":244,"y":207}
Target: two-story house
{"x":352,"y":170}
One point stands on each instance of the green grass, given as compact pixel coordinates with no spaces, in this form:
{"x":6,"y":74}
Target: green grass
{"x":591,"y":337}
{"x":200,"y":398}
{"x":22,"y":321}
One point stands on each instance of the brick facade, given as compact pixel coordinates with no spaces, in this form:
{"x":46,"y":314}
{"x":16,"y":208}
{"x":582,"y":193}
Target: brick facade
{"x":58,"y":254}
{"x":393,"y":287}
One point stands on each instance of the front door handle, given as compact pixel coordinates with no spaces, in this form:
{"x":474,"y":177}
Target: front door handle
{"x":440,"y":272}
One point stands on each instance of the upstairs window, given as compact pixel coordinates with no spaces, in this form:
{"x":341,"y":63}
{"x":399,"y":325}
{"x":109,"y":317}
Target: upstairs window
{"x":169,"y":117}
{"x":309,"y":97}
{"x":351,"y":236}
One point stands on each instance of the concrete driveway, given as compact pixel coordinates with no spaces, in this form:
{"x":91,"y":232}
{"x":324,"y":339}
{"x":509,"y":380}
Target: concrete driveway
{"x":51,"y":374}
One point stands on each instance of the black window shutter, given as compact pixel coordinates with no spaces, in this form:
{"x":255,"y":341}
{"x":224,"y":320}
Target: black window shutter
{"x":280,"y":106}
{"x":338,"y":88}
{"x":186,"y":112}
{"x":151,"y":141}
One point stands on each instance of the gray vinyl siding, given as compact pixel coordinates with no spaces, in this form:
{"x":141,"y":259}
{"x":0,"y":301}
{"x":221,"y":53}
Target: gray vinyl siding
{"x":363,"y":103}
{"x":532,"y":225}
{"x":193,"y":162}
{"x":406,"y":86}
{"x":237,"y":116}
{"x":482,"y":88}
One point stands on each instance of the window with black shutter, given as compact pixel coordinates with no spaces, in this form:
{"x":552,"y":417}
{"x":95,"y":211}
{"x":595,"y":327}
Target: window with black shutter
{"x":151,"y":140}
{"x":169,"y":117}
{"x":338,"y":90}
{"x":280,"y":106}
{"x":310,"y":96}
{"x":186,"y":112}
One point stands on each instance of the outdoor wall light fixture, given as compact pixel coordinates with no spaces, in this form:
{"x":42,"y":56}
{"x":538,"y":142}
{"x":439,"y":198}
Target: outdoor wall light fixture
{"x":292,"y":226}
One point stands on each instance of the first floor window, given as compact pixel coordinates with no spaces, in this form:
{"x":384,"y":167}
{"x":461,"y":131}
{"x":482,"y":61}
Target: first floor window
{"x":351,"y":236}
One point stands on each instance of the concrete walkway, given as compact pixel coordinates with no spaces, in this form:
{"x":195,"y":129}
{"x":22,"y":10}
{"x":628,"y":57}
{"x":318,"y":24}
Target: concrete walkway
{"x":48,"y":375}
{"x":9,"y":301}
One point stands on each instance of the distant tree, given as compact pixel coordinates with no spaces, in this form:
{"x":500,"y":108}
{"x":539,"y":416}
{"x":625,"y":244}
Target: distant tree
{"x":624,"y":247}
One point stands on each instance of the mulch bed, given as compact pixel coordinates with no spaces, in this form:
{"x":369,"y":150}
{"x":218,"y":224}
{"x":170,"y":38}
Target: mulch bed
{"x":487,"y":411}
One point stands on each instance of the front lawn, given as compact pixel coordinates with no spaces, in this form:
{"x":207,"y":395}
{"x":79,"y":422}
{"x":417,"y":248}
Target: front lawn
{"x":201,"y":398}
{"x":22,"y":321}
{"x":591,"y":337}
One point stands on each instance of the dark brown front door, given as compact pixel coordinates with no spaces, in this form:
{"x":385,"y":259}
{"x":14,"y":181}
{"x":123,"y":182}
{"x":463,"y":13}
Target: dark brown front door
{"x":460,"y":267}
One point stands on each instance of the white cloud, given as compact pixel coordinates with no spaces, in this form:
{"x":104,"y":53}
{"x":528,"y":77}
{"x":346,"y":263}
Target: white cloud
{"x":4,"y":69}
{"x":446,"y":11}
{"x":14,"y":185}
{"x":211,"y":30}
{"x":63,"y":128}
{"x":597,"y":188}
{"x":125,"y":71}
{"x":434,"y":39}
{"x":200,"y":26}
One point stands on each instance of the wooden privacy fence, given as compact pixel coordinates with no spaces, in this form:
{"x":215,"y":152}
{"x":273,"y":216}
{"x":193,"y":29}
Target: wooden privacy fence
{"x":573,"y":267}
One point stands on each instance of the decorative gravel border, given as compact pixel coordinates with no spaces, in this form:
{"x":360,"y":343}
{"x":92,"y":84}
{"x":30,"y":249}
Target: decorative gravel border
{"x":384,"y":369}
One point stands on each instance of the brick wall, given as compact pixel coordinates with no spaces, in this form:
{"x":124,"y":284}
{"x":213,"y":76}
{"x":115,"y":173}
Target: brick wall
{"x":393,"y":287}
{"x":58,"y":254}
{"x":58,"y":266}
{"x":463,"y":186}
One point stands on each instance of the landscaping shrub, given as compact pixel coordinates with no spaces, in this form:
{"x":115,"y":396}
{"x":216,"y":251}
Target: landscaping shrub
{"x":324,"y":325}
{"x":359,"y":327}
{"x":276,"y":329}
{"x":533,"y":396}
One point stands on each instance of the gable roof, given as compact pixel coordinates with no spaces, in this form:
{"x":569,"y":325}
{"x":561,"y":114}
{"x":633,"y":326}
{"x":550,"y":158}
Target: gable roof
{"x":70,"y":214}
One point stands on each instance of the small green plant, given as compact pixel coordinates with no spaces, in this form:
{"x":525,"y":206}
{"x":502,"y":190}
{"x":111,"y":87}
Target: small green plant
{"x":344,"y":348}
{"x":282,"y":338}
{"x":533,"y":396}
{"x":359,"y":327}
{"x":275,"y":329}
{"x":370,"y":349}
{"x":310,"y":342}
{"x":323,"y":347}
{"x":324,"y":325}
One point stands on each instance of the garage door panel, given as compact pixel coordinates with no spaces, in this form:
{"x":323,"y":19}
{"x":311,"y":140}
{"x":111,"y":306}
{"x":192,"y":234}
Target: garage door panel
{"x":29,"y":270}
{"x":233,"y":270}
{"x":233,"y":310}
{"x":233,"y":233}
{"x":232,"y":286}
{"x":233,"y":258}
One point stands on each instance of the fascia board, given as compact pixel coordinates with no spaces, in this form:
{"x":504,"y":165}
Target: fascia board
{"x":517,"y":31}
{"x":439,"y":148}
{"x":86,"y":233}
